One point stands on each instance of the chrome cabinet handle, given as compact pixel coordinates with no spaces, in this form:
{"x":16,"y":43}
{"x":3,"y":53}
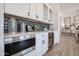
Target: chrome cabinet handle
{"x":43,"y":41}
{"x":43,"y":35}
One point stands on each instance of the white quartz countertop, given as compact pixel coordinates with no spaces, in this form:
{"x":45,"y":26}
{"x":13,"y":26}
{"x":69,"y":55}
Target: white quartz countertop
{"x":26,"y":33}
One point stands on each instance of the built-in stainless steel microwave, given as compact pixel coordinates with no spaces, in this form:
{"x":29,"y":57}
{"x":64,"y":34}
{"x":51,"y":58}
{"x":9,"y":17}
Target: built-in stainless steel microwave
{"x":17,"y":45}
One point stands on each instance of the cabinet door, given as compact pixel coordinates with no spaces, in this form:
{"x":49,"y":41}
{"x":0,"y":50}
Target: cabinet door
{"x":50,"y":15}
{"x":19,"y":9}
{"x":44,"y":43}
{"x":38,"y":47}
{"x":40,"y":11}
{"x":41,"y":43}
{"x":36,"y":11}
{"x":33,"y":10}
{"x":45,"y":12}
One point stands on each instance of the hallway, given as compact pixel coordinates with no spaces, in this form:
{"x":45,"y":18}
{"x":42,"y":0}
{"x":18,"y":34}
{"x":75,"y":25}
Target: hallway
{"x":67,"y":47}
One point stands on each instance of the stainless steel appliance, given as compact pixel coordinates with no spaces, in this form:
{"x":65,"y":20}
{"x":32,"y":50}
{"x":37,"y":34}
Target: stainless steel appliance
{"x":10,"y":25}
{"x":19,"y":46}
{"x":50,"y":40}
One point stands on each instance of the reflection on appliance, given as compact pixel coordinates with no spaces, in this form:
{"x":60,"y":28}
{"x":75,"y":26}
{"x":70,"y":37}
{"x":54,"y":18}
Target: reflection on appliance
{"x":26,"y":27}
{"x":29,"y":28}
{"x":5,"y":25}
{"x":9,"y":25}
{"x":18,"y":26}
{"x":13,"y":48}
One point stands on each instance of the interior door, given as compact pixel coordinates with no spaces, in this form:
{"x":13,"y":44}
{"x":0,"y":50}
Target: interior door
{"x":76,"y":19}
{"x":67,"y":23}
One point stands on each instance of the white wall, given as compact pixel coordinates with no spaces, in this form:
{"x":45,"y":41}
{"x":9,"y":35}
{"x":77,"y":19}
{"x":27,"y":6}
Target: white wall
{"x":56,"y":22}
{"x":1,"y":29}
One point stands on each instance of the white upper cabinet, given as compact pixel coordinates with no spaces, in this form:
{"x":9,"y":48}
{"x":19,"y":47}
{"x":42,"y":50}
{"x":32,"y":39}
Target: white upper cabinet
{"x":33,"y":10}
{"x":19,"y":9}
{"x":40,"y":11}
{"x":36,"y":11}
{"x":45,"y":12}
{"x":50,"y":15}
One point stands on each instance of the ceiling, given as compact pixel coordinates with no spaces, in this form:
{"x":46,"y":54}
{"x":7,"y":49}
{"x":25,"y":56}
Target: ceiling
{"x":69,"y":7}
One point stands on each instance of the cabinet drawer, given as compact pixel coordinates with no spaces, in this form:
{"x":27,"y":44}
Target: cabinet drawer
{"x":42,"y":35}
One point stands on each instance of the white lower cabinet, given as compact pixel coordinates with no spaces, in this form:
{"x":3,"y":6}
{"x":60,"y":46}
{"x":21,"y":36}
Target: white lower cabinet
{"x":44,"y":46}
{"x":38,"y":48}
{"x":41,"y":43}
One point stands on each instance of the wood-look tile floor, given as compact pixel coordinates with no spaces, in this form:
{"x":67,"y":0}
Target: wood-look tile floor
{"x":68,"y":46}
